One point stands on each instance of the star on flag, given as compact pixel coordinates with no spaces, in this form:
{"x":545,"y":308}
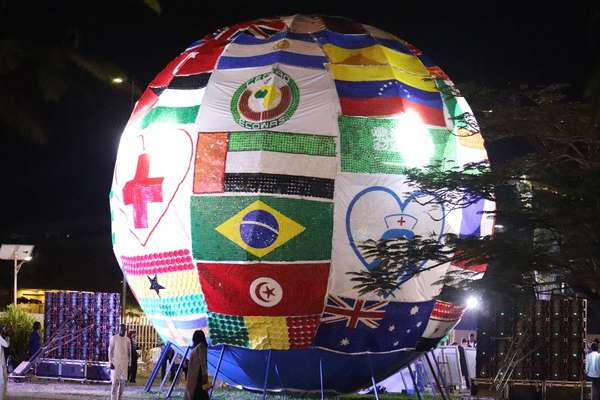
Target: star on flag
{"x":154,"y":285}
{"x":345,"y":342}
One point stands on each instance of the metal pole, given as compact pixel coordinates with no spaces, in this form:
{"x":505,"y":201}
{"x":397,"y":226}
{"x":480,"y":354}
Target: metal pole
{"x":412,"y":376}
{"x":403,"y":380}
{"x":321,"y":378}
{"x":15,"y":280}
{"x":167,"y":372}
{"x":216,"y":372}
{"x":437,"y":365}
{"x":374,"y":387}
{"x":157,"y":367}
{"x":435,"y":378}
{"x":123,"y":298}
{"x":267,"y":375}
{"x":179,"y":368}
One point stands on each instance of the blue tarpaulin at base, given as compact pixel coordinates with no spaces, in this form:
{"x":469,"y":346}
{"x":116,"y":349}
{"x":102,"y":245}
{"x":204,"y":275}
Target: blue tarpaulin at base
{"x":299,"y":369}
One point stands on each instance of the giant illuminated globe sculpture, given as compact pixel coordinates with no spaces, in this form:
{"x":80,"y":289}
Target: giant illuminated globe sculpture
{"x":253,"y":167}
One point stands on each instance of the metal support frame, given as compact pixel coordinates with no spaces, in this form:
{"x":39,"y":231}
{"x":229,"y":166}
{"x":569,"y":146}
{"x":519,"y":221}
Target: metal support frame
{"x":403,"y":380}
{"x":414,"y":380}
{"x":167,"y":372}
{"x":437,"y":365}
{"x":217,"y":372}
{"x":321,"y":378}
{"x":374,"y":387}
{"x":161,"y":359}
{"x":435,"y":378}
{"x":179,"y":368}
{"x":267,"y":368}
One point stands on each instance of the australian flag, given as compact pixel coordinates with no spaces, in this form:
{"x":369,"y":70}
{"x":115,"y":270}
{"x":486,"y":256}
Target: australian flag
{"x":353,"y":325}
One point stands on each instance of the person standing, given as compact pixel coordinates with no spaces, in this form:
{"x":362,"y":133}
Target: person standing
{"x":119,"y":357}
{"x":464,"y":369}
{"x":472,"y":341}
{"x":35,"y":341}
{"x":592,"y":370}
{"x":4,"y":343}
{"x":134,"y":357}
{"x":197,"y":384}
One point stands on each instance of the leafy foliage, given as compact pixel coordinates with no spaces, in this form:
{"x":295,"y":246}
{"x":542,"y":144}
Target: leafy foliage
{"x":18,"y":325}
{"x":38,"y":69}
{"x":546,"y":196}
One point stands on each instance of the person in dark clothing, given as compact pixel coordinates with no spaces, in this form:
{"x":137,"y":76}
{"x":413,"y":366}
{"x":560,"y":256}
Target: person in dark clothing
{"x":35,"y":341}
{"x":134,"y":358}
{"x":197,"y":382}
{"x":463,"y":361}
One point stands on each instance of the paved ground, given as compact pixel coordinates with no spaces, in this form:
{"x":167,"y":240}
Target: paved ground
{"x":55,"y":390}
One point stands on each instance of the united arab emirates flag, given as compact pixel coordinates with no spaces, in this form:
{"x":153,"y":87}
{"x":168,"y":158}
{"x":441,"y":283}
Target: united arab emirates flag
{"x":265,"y":162}
{"x":390,"y":145}
{"x":241,"y":228}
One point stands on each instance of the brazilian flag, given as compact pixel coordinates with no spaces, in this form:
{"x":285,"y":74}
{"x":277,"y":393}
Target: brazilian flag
{"x":245,"y":228}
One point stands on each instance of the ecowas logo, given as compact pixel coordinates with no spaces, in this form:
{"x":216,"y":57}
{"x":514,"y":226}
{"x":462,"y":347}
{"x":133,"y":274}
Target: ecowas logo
{"x":265,"y":101}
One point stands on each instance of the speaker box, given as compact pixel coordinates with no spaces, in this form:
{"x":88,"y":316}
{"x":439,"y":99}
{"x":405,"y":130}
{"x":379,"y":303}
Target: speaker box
{"x":481,"y":388}
{"x":73,"y":370}
{"x":98,"y":372}
{"x":48,"y":368}
{"x":567,"y":390}
{"x":526,"y":390}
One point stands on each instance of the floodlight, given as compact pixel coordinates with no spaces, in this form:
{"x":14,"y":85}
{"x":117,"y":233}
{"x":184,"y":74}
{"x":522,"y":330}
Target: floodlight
{"x":472,"y":303}
{"x":16,"y":253}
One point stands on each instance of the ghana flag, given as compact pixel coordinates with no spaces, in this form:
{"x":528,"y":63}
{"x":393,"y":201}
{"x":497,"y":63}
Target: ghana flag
{"x":241,"y":228}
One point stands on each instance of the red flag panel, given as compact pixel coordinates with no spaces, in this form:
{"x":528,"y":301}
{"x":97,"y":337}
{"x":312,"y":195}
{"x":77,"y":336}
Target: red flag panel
{"x":264,"y":289}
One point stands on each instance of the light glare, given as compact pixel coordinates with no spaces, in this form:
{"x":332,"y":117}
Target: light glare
{"x":472,"y":303}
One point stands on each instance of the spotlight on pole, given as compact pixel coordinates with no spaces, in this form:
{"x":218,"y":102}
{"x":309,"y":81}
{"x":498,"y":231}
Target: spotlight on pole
{"x":19,"y":254}
{"x":472,"y":303}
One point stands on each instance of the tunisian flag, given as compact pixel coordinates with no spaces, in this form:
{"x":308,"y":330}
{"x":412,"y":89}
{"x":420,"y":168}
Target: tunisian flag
{"x":264,"y":289}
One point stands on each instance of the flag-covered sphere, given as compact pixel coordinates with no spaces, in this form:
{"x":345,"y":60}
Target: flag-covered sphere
{"x":251,"y":171}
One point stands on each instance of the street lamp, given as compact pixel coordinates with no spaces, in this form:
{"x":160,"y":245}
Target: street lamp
{"x":19,"y":253}
{"x":118,"y":81}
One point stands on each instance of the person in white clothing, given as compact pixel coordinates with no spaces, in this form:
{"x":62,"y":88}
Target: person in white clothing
{"x":119,"y":357}
{"x":592,"y":370}
{"x":4,"y":343}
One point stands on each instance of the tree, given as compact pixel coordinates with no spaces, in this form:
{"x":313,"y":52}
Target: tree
{"x":40,"y":64}
{"x":547,"y":200}
{"x":18,"y":325}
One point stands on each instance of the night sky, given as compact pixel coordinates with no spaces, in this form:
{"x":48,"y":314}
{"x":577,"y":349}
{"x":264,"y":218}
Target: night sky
{"x":55,"y":195}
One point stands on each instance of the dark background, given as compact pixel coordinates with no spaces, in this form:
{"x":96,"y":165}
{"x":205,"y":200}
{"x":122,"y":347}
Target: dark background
{"x":55,"y":195}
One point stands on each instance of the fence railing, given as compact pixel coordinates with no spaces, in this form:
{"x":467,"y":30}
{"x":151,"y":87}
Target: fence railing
{"x":146,"y":338}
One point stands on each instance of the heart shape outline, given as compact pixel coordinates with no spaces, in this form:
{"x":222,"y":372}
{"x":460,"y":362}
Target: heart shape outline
{"x":144,"y":242}
{"x":402,"y":205}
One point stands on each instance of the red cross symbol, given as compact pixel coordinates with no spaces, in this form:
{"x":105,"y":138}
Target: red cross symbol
{"x":142,"y":190}
{"x":401,"y":221}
